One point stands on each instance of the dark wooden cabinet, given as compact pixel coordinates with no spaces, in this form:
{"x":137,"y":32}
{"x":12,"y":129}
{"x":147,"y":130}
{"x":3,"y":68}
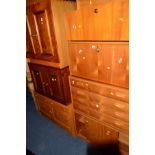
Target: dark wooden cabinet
{"x":40,"y":30}
{"x":51,"y":82}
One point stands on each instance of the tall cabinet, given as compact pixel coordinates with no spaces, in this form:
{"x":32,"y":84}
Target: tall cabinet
{"x":98,"y":44}
{"x":47,"y":59}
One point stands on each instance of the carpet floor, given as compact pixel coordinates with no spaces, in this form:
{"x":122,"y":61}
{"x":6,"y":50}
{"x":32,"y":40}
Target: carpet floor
{"x":43,"y":137}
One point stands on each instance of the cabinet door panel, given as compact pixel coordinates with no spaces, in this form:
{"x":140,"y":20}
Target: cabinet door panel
{"x":85,"y":60}
{"x":120,"y":26}
{"x":37,"y":78}
{"x":105,"y":63}
{"x":40,"y":20}
{"x":120,"y":71}
{"x":33,"y":34}
{"x":74,"y":26}
{"x":56,"y":84}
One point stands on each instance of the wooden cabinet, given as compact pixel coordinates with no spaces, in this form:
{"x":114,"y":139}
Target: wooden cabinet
{"x":107,"y":63}
{"x":61,"y":114}
{"x":41,"y":31}
{"x":45,"y":106}
{"x":108,"y":21}
{"x":51,"y":82}
{"x":99,"y":105}
{"x":93,"y":131}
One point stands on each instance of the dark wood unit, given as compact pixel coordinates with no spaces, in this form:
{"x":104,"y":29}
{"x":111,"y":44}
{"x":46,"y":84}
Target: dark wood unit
{"x":40,"y":30}
{"x":51,"y":82}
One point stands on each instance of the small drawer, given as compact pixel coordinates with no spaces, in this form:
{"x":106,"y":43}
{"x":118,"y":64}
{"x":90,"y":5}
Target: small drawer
{"x":110,"y":91}
{"x":116,"y":114}
{"x":121,"y":125}
{"x":78,"y":92}
{"x":95,"y":114}
{"x":81,"y":108}
{"x":79,"y":83}
{"x":115,"y":104}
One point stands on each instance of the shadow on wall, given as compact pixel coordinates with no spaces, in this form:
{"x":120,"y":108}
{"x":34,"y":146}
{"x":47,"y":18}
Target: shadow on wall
{"x":107,"y":149}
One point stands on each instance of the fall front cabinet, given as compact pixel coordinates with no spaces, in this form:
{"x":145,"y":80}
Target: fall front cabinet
{"x":40,"y":34}
{"x":108,"y":21}
{"x":103,"y":62}
{"x":51,"y":82}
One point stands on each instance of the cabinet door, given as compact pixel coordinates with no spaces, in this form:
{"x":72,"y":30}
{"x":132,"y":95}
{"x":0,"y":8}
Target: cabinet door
{"x":97,"y":22}
{"x":120,"y":67}
{"x":37,"y":78}
{"x":114,"y":67}
{"x":83,"y":60}
{"x":40,"y":21}
{"x":120,"y":26}
{"x":74,"y":26}
{"x":93,"y":131}
{"x":55,"y":81}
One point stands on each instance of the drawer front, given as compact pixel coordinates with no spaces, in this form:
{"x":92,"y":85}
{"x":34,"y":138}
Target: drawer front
{"x":102,"y":89}
{"x":116,"y":114}
{"x":81,"y":108}
{"x":63,"y":118}
{"x":121,"y":125}
{"x":109,"y":91}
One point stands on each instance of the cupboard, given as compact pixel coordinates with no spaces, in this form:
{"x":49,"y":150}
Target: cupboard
{"x":61,"y":114}
{"x":51,"y":82}
{"x":98,"y":43}
{"x":108,"y":21}
{"x":41,"y":31}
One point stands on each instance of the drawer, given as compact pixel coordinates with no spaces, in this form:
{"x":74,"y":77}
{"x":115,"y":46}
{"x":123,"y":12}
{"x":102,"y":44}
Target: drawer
{"x":97,"y":102}
{"x":78,"y":83}
{"x":102,"y":89}
{"x":121,"y":125}
{"x":109,"y":91}
{"x":115,"y":104}
{"x":80,"y":107}
{"x":116,"y":114}
{"x":79,"y":93}
{"x":63,"y":118}
{"x":43,"y":99}
{"x":95,"y":114}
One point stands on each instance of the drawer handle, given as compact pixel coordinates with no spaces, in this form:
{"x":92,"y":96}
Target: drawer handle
{"x":118,"y":114}
{"x":111,"y":93}
{"x":97,"y":106}
{"x":108,"y":133}
{"x":119,"y":105}
{"x":118,"y":123}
